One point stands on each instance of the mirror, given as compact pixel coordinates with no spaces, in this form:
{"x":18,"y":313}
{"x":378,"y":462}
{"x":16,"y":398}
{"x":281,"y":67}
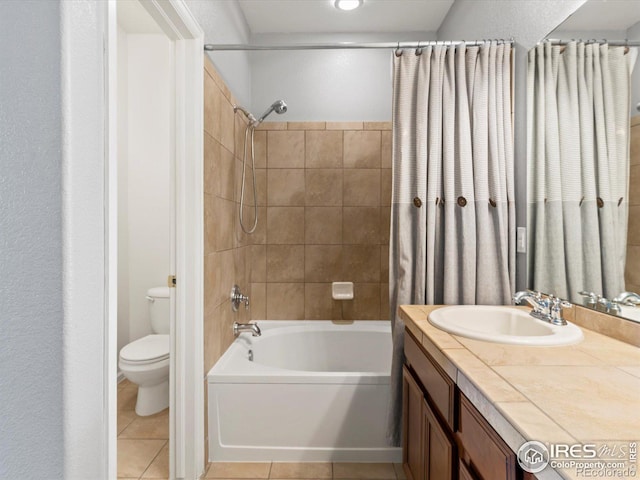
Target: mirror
{"x":583,"y":180}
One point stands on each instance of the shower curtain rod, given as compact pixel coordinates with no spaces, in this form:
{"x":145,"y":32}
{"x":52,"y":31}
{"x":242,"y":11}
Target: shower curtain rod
{"x":615,"y":43}
{"x":346,"y":45}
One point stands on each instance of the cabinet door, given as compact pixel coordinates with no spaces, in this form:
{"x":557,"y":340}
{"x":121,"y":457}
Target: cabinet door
{"x":464,"y":472}
{"x":412,"y":446}
{"x":438,"y":449}
{"x":482,"y":448}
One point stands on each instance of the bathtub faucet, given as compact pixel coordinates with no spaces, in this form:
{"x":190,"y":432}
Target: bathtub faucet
{"x":238,"y":328}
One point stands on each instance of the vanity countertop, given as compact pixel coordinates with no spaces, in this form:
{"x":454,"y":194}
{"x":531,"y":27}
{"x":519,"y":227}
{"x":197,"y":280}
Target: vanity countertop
{"x":575,"y":394}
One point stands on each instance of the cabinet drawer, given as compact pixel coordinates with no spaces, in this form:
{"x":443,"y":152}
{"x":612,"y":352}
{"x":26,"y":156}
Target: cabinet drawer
{"x":440,"y":388}
{"x":481,"y":447}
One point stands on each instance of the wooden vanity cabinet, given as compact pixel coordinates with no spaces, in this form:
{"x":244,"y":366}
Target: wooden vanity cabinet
{"x":481,"y":448}
{"x":428,"y":451}
{"x":463,"y":472}
{"x":444,"y":435}
{"x":412,"y":436}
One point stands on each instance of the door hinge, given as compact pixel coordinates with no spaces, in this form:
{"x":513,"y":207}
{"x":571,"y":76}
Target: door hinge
{"x":171,"y":281}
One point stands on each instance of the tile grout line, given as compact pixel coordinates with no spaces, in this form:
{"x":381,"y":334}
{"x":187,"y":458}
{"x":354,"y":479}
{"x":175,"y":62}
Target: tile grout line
{"x":153,"y":459}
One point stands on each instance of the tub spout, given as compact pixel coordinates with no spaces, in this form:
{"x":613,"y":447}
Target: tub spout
{"x":238,"y":328}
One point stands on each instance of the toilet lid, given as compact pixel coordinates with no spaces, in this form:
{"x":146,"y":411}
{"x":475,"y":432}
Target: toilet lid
{"x":145,"y":349}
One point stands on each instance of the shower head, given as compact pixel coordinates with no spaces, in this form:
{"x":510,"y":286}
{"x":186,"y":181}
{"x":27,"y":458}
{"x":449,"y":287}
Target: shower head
{"x":278,"y":106}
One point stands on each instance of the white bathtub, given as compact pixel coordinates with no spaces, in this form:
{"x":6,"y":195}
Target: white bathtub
{"x":315,"y":391}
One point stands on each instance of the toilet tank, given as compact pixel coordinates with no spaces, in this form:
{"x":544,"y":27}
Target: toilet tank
{"x":158,"y":300}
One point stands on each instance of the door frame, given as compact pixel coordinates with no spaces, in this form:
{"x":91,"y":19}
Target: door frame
{"x":186,"y":420}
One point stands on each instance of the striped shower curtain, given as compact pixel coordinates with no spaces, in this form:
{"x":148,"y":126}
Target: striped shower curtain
{"x":453,"y":213}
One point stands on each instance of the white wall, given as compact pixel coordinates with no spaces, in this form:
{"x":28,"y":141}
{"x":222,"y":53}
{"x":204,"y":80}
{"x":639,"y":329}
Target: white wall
{"x":527,"y":21}
{"x":31,"y":350}
{"x":144,"y":198}
{"x":85,"y":419}
{"x":223,"y":22}
{"x":123,"y":192}
{"x":326,"y":85}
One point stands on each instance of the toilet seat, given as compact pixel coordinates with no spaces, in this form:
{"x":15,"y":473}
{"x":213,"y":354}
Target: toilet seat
{"x":150,"y":349}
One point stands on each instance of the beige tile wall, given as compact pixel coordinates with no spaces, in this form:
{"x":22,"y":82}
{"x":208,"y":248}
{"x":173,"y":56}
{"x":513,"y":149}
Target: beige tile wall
{"x":325,"y":196}
{"x":609,"y":325}
{"x":632,"y":274}
{"x":226,"y":249}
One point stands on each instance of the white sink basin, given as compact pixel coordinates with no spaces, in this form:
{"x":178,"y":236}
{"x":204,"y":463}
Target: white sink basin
{"x":502,"y":325}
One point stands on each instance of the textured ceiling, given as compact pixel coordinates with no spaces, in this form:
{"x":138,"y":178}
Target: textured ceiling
{"x":603,"y":15}
{"x":320,"y":16}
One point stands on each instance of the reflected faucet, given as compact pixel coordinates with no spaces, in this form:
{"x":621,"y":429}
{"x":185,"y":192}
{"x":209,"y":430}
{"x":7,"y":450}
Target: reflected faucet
{"x":628,"y":298}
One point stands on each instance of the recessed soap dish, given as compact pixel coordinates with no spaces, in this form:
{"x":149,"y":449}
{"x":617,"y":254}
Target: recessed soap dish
{"x":342,"y":290}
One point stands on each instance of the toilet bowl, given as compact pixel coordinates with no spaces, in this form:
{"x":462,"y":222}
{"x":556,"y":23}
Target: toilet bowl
{"x":145,"y":361}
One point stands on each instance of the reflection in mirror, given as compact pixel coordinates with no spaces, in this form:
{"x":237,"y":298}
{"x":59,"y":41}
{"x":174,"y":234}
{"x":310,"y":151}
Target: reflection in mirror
{"x":583,"y":192}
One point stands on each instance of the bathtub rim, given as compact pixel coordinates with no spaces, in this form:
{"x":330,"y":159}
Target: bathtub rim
{"x":260,"y":373}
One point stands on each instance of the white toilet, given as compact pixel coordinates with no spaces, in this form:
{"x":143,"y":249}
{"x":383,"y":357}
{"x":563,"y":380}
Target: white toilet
{"x":145,"y":361}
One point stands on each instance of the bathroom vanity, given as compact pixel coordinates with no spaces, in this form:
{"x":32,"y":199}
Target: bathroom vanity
{"x":443,"y":432}
{"x":470,"y":404}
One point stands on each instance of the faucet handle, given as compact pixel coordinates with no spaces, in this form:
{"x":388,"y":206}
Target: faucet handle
{"x":556,"y":310}
{"x":237,"y":298}
{"x":584,"y":293}
{"x":609,"y":306}
{"x":594,"y":299}
{"x":560,"y":303}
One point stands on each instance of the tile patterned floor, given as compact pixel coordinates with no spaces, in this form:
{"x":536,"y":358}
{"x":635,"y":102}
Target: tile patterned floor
{"x":143,"y":442}
{"x":300,"y":471}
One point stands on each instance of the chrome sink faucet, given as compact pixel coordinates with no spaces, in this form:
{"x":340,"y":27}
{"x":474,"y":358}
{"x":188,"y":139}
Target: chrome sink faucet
{"x":238,"y":328}
{"x":545,"y":308}
{"x":532,"y":298}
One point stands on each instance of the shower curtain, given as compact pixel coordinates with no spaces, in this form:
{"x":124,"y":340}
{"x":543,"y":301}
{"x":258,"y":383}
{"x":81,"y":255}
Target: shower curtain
{"x":578,"y":160}
{"x":453,"y":213}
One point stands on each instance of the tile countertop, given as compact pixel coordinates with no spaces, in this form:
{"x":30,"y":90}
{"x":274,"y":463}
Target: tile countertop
{"x":583,"y":393}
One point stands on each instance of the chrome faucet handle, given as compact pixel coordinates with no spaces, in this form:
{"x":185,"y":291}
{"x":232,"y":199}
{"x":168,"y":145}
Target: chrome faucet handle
{"x":593,"y":298}
{"x":609,"y":306}
{"x":615,"y":307}
{"x":584,"y":293}
{"x":237,"y":298}
{"x":556,"y":311}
